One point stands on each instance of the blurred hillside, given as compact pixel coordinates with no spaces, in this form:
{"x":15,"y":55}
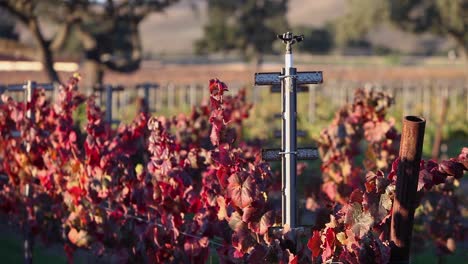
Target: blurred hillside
{"x":175,"y":30}
{"x":242,"y":34}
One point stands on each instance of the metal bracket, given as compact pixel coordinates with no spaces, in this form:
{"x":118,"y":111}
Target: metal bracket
{"x":301,"y":153}
{"x":287,"y":152}
{"x":294,"y":76}
{"x":273,"y":78}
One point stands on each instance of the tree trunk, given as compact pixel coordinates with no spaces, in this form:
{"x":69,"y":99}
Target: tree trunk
{"x":257,"y":61}
{"x":93,"y":75}
{"x":47,"y":61}
{"x":45,"y":54}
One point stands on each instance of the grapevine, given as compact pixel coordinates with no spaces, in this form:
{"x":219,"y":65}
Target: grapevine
{"x":176,"y":189}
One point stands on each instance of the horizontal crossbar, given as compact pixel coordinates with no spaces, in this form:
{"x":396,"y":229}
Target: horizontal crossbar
{"x":116,"y":88}
{"x":22,"y":87}
{"x":272,"y":78}
{"x":277,"y":88}
{"x":149,"y":85}
{"x":302,"y":154}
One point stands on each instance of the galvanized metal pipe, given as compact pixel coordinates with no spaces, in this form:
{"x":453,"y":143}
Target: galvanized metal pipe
{"x":283,"y":146}
{"x":290,"y":148}
{"x":30,"y":86}
{"x":28,"y":242}
{"x":404,"y":202}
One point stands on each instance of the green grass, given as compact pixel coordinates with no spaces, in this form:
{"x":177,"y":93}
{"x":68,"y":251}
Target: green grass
{"x":429,"y":257}
{"x":11,"y":251}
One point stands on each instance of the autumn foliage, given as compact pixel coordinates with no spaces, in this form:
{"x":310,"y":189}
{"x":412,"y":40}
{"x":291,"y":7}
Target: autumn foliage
{"x":178,"y":189}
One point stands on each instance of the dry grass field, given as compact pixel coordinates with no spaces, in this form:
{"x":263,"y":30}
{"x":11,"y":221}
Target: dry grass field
{"x":241,"y":74}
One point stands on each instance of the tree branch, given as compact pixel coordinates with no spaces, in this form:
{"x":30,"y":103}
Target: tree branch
{"x":141,"y":8}
{"x":14,"y":9}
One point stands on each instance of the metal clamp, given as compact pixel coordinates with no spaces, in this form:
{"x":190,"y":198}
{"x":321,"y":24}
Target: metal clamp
{"x":287,"y":152}
{"x":294,"y":76}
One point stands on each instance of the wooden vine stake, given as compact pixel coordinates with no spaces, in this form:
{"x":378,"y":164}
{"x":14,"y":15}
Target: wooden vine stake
{"x":405,"y":200}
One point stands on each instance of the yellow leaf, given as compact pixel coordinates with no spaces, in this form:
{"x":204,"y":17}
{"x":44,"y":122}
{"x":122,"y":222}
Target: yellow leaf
{"x":108,"y":177}
{"x":138,"y":169}
{"x":346,"y":169}
{"x":222,"y":213}
{"x":80,"y":238}
{"x":341,"y":237}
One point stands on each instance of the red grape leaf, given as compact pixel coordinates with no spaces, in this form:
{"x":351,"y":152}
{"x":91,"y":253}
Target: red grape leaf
{"x":293,"y":260}
{"x":192,"y":247}
{"x":267,"y":220}
{"x":356,"y":196}
{"x":242,"y":239}
{"x":314,"y":244}
{"x":235,"y":222}
{"x":452,"y":168}
{"x":222,"y":174}
{"x":257,"y":255}
{"x":359,"y":221}
{"x":222,"y":213}
{"x":330,"y":189}
{"x":329,"y":243}
{"x":241,"y":193}
{"x":249,"y":214}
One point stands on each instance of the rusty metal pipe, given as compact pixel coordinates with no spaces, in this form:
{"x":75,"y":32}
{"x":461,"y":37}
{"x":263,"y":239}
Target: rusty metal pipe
{"x":405,"y":200}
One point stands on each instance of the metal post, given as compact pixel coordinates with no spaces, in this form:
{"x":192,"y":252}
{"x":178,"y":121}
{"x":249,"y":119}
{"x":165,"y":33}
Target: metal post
{"x":28,"y":236}
{"x":289,"y":79}
{"x":146,"y":93}
{"x":158,"y":99}
{"x":170,"y":96}
{"x":117,"y":103}
{"x":290,"y":147}
{"x":441,"y":123}
{"x":404,"y":203}
{"x":146,"y":100}
{"x":206,"y":96}
{"x":192,"y":95}
{"x":182,"y":92}
{"x":100,"y":87}
{"x":109,"y":104}
{"x":30,"y":86}
{"x":289,"y":132}
{"x":466,"y":95}
{"x":283,"y":146}
{"x":427,"y":100}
